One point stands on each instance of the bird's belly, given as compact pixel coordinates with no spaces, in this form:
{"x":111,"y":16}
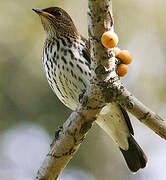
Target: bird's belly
{"x":68,"y":79}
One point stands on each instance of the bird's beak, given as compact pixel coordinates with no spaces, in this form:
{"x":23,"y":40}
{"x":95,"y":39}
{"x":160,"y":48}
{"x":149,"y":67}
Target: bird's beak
{"x":42,"y":13}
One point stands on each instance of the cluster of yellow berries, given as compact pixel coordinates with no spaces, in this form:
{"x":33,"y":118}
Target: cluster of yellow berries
{"x":110,"y":39}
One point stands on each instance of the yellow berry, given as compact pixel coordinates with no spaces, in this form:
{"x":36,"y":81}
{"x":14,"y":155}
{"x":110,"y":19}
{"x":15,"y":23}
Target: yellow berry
{"x":109,"y":39}
{"x":125,"y":56}
{"x":122,"y":69}
{"x":117,"y":51}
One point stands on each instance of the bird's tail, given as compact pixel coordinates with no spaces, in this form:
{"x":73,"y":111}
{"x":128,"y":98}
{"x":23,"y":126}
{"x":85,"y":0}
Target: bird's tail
{"x":116,"y":123}
{"x":134,"y":156}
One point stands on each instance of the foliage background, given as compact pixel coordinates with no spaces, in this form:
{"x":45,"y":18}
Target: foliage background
{"x":30,"y":112}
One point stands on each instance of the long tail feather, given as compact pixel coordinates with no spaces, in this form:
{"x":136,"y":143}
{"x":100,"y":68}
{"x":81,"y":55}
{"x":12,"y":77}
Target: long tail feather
{"x":134,"y":156}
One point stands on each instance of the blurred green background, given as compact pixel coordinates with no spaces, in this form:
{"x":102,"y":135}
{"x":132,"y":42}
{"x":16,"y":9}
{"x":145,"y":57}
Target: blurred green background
{"x":30,"y":112}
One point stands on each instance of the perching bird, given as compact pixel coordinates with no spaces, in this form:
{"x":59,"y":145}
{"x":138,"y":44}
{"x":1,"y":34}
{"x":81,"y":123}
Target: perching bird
{"x":67,"y":64}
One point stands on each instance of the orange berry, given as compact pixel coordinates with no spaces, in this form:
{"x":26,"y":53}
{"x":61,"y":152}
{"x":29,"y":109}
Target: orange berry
{"x":117,"y":51}
{"x":109,"y":39}
{"x":122,"y":69}
{"x":125,"y":56}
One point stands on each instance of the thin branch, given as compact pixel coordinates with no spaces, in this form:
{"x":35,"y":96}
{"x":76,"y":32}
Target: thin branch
{"x":138,"y":109}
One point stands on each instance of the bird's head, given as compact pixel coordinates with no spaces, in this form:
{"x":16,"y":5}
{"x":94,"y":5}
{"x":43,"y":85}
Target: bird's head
{"x":57,"y":22}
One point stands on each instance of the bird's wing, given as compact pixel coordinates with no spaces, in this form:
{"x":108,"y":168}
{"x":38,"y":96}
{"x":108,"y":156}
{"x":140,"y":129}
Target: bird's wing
{"x":85,"y":50}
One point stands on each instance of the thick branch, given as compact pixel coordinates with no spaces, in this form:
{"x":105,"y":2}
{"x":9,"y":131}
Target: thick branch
{"x":66,"y":143}
{"x":100,"y":20}
{"x":70,"y":136}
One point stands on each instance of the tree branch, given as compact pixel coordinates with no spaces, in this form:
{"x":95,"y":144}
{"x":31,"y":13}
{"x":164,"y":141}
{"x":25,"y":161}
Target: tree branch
{"x":138,"y":109}
{"x":100,"y":20}
{"x":70,"y":136}
{"x":66,"y":143}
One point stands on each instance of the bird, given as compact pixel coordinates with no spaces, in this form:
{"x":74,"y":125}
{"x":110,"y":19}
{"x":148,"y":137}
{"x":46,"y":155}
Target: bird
{"x":67,"y":64}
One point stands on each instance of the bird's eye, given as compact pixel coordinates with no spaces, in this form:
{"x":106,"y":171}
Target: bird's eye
{"x":57,"y":13}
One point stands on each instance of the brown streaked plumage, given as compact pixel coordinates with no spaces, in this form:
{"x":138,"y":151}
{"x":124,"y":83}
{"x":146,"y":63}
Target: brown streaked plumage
{"x":67,"y":64}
